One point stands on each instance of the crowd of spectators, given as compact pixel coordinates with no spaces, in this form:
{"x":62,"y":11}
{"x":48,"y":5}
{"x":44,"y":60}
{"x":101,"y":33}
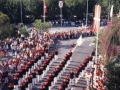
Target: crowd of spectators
{"x":96,"y":77}
{"x":27,"y":52}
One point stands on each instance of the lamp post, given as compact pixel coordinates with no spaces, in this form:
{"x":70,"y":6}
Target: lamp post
{"x":21,"y":10}
{"x":87,"y":14}
{"x":109,"y":10}
{"x":61,"y":15}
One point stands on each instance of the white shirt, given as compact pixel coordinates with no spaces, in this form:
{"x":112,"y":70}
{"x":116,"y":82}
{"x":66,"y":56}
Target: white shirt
{"x":88,"y":76}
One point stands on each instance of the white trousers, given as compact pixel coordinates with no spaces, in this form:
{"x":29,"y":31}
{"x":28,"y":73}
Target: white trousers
{"x":42,"y":58}
{"x":30,"y":86}
{"x":38,"y":78}
{"x":19,"y":82}
{"x":33,"y":81}
{"x":56,"y":57}
{"x":39,"y":62}
{"x":71,"y":81}
{"x":46,"y":55}
{"x":15,"y":86}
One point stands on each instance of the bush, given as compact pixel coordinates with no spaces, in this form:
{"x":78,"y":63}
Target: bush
{"x":23,"y":31}
{"x":41,"y":26}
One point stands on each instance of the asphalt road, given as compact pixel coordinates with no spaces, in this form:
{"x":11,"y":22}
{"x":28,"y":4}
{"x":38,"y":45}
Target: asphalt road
{"x":63,"y":47}
{"x":79,"y":55}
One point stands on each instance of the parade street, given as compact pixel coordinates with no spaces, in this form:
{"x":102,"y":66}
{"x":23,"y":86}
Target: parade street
{"x":79,"y":54}
{"x":60,"y":45}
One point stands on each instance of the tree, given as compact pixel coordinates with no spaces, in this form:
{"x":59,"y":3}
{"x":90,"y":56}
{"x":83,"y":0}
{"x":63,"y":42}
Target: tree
{"x":47,"y":25}
{"x":38,"y":25}
{"x":12,"y":8}
{"x":113,"y":74}
{"x":70,"y":8}
{"x":53,"y":10}
{"x":110,"y":40}
{"x":33,"y":7}
{"x":41,"y":26}
{"x":22,"y":30}
{"x":6,"y":29}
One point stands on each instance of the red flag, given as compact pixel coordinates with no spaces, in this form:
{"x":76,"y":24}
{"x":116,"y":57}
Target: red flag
{"x":96,"y":21}
{"x":44,"y":7}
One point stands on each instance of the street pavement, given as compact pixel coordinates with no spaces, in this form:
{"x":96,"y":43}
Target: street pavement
{"x":63,"y":48}
{"x":79,"y":55}
{"x":60,"y":29}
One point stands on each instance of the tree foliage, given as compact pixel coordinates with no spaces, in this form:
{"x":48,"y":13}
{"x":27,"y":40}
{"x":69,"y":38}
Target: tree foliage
{"x":6,"y":29}
{"x":110,"y":40}
{"x":22,"y":30}
{"x":113,"y":74}
{"x":41,"y":26}
{"x":70,"y":8}
{"x":35,"y":7}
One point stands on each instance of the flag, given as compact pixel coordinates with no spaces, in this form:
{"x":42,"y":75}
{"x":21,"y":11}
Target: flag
{"x":111,"y":11}
{"x":96,"y":19}
{"x":44,"y":7}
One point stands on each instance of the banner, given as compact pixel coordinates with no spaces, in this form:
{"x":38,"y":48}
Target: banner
{"x":44,"y":7}
{"x":79,"y":41}
{"x":96,"y":19}
{"x":111,"y":11}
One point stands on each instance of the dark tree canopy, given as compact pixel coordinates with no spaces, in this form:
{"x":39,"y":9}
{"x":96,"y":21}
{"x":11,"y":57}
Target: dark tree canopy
{"x":70,"y":8}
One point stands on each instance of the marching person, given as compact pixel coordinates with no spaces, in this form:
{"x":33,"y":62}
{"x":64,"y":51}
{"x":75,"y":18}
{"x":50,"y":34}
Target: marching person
{"x":71,"y":76}
{"x":46,"y":85}
{"x":20,"y":72}
{"x":56,"y":54}
{"x":88,"y":76}
{"x":22,"y":86}
{"x":39,"y":59}
{"x":15,"y":82}
{"x":70,"y":54}
{"x":76,"y":73}
{"x":55,"y":72}
{"x":73,"y":44}
{"x":43,"y":56}
{"x":11,"y":87}
{"x":29,"y":82}
{"x":26,"y":83}
{"x":46,"y":52}
{"x":34,"y":77}
{"x":42,"y":87}
{"x":40,"y":71}
{"x":60,"y":87}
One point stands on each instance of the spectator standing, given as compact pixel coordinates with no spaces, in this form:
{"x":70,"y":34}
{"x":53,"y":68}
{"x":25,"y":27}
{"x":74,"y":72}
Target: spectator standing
{"x":88,"y":76}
